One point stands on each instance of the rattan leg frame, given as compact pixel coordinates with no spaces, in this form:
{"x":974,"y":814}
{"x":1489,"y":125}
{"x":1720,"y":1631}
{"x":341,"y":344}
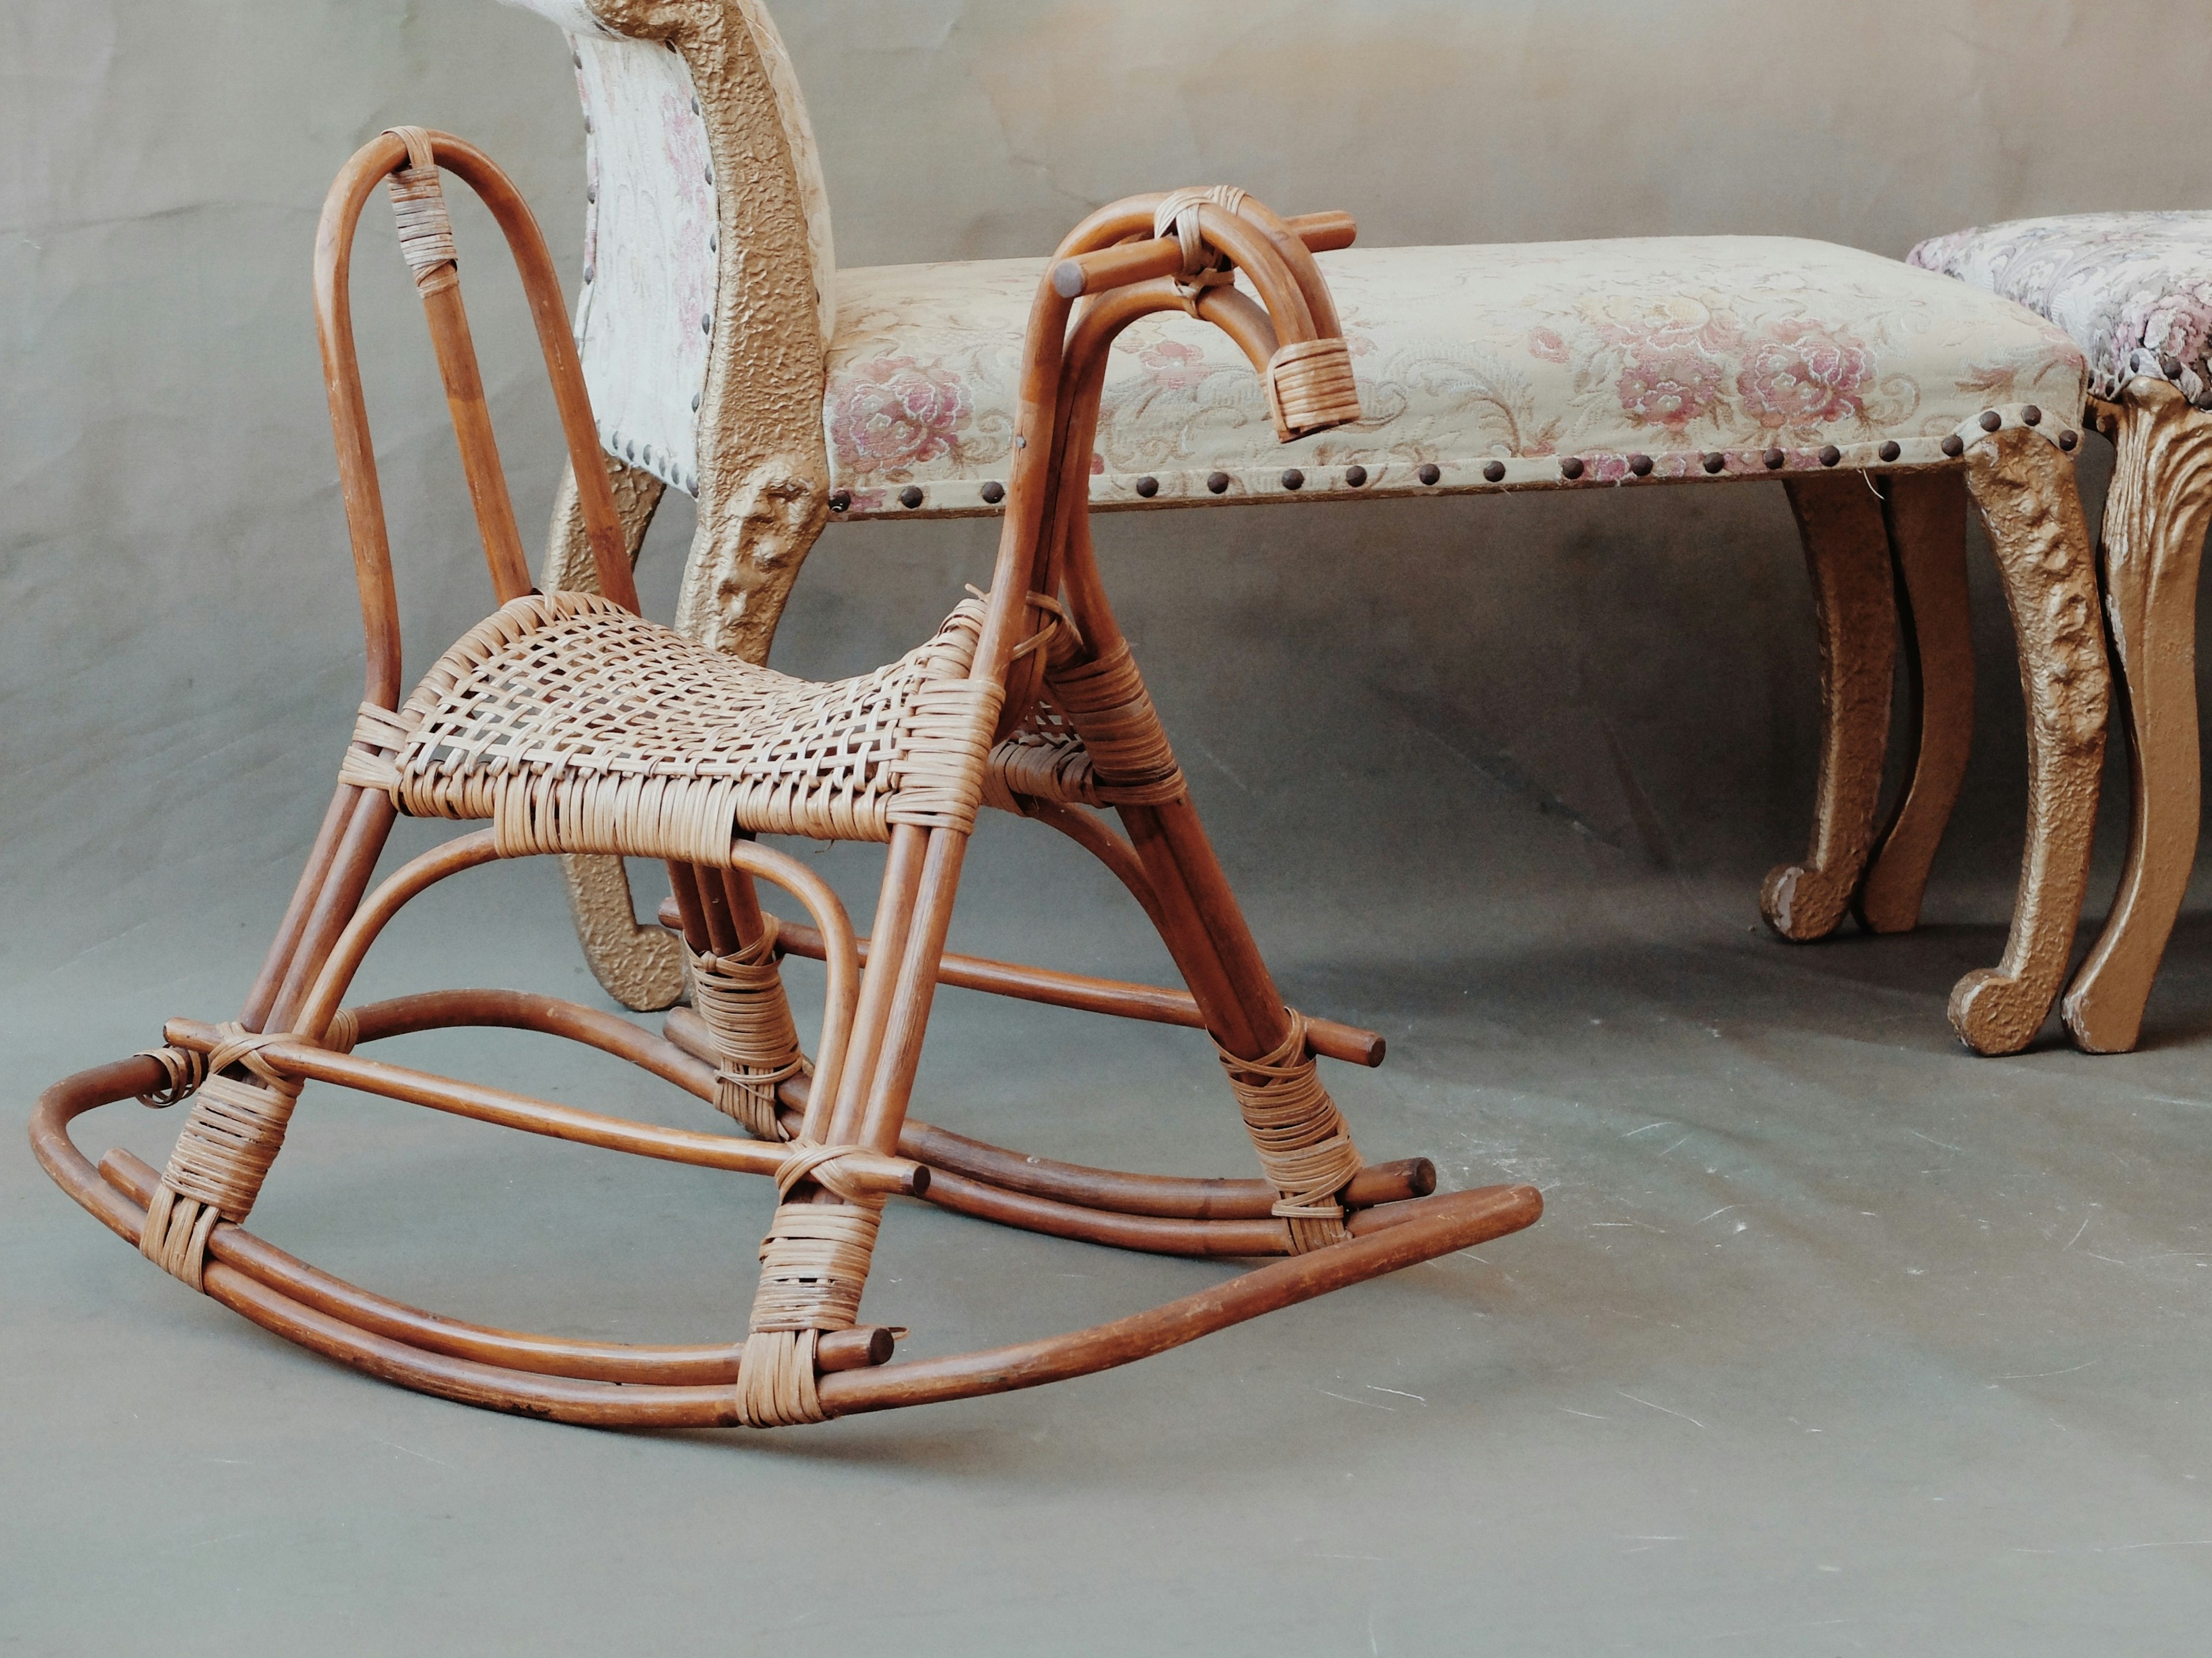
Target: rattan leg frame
{"x":576,"y":726}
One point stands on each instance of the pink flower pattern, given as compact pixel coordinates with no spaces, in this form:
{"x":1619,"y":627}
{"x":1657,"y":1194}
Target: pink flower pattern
{"x":1803,"y":374}
{"x":1674,"y":351}
{"x":1671,"y":386}
{"x":1175,"y":364}
{"x":892,"y":414}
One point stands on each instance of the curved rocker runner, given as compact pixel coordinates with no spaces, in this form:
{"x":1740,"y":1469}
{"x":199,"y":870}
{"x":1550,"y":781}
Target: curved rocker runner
{"x":576,"y":726}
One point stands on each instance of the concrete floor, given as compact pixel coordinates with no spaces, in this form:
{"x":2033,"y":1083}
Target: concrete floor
{"x":1833,"y":1340}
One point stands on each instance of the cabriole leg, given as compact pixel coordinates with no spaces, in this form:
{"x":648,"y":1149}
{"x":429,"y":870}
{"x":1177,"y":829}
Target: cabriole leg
{"x":1926,"y":515}
{"x":2024,"y":486}
{"x":1847,"y":556}
{"x":757,"y":529}
{"x":2152,"y":545}
{"x":640,"y":967}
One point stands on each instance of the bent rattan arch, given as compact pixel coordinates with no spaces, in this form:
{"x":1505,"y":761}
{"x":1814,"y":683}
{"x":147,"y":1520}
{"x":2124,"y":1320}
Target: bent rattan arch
{"x":577,"y":726}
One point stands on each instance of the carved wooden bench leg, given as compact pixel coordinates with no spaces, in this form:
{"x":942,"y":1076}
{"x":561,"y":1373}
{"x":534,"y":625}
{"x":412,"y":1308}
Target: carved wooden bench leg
{"x":640,"y":967}
{"x":732,"y":599}
{"x":2024,"y":487}
{"x":1926,"y":514}
{"x":2152,"y":545}
{"x":1847,"y":556}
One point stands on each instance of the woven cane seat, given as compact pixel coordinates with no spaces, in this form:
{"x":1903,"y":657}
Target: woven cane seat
{"x":576,"y":725}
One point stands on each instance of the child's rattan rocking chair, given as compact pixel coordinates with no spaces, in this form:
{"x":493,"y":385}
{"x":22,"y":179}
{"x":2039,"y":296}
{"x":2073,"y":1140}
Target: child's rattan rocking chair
{"x":577,"y":726}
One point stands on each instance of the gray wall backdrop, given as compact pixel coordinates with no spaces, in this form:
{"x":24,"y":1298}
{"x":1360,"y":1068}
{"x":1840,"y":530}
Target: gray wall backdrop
{"x":179,"y":651}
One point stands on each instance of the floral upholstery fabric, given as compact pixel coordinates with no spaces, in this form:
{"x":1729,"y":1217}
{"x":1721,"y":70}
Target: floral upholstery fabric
{"x":1478,"y":367}
{"x":2133,"y":289}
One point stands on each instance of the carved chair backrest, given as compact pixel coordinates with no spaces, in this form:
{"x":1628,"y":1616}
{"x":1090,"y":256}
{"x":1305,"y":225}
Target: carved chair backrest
{"x":708,"y":290}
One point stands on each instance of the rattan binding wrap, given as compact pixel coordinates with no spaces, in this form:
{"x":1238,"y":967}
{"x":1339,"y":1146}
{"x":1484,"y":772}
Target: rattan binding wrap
{"x":1177,"y":215}
{"x":232,"y":1135}
{"x":814,"y":1264}
{"x":776,"y":1384}
{"x":1094,"y":740}
{"x":1043,"y":759}
{"x":418,"y":204}
{"x":1310,"y":388}
{"x":1302,"y":1141}
{"x":742,"y":1000}
{"x":576,"y":725}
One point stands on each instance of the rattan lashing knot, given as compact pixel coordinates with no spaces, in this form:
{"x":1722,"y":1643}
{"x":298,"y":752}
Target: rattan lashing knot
{"x":235,"y":1128}
{"x":185,"y":1071}
{"x":418,"y":203}
{"x":741,"y":997}
{"x":378,"y":734}
{"x":1106,"y":701}
{"x":1178,"y":216}
{"x":776,"y":1386}
{"x":814,"y":1261}
{"x":811,"y":1160}
{"x":1302,"y":1141}
{"x":1058,"y":637}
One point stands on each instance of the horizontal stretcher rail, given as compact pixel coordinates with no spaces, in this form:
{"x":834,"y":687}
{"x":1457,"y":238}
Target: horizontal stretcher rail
{"x":947,"y":1153}
{"x":1174,"y":1215}
{"x":1169,"y":1196}
{"x":1120,"y":998}
{"x":511,"y":1110}
{"x":1155,"y":1214}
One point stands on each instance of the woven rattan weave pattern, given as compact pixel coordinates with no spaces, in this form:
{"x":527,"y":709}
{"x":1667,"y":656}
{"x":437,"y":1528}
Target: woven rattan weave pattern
{"x":577,"y":726}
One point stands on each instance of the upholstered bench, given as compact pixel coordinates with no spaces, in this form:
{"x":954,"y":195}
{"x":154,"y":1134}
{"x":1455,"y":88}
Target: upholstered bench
{"x":729,"y":358}
{"x":2134,"y":290}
